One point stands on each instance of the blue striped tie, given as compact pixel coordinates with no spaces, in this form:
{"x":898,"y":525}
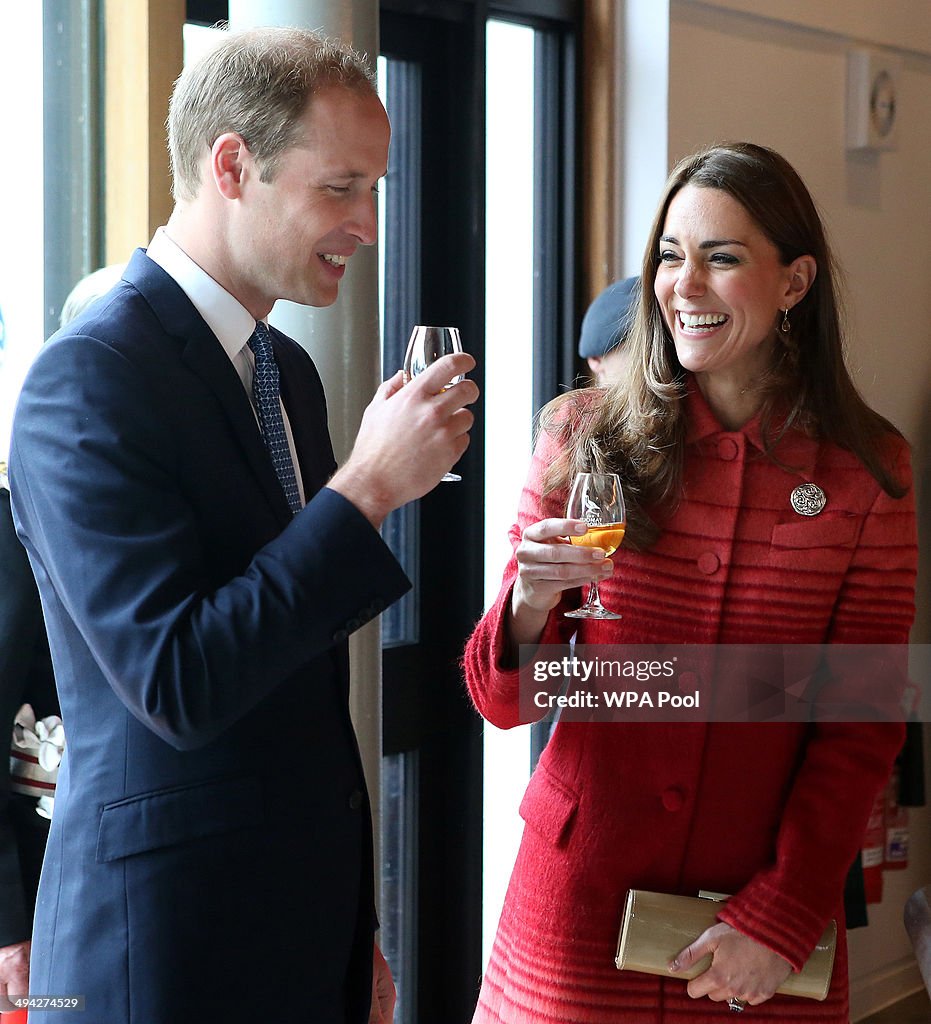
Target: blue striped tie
{"x":266,"y":391}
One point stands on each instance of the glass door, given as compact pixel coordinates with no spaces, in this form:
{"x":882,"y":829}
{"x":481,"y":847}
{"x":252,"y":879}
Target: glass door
{"x":476,"y":233}
{"x":49,"y":61}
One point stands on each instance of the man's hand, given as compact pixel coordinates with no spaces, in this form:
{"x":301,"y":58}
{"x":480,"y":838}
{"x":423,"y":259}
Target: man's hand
{"x":14,"y":969}
{"x":410,"y":435}
{"x":383,"y":993}
{"x":740,"y":967}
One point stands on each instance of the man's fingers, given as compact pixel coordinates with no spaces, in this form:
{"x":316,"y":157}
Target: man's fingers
{"x":458,"y":396}
{"x":391,"y":386}
{"x":437,"y":375}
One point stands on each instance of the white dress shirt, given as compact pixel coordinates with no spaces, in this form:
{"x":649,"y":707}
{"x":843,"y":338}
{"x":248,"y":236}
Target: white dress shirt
{"x":225,"y":315}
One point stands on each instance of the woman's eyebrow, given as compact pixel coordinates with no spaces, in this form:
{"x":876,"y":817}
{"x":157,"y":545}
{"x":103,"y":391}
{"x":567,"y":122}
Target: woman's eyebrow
{"x":712,"y":243}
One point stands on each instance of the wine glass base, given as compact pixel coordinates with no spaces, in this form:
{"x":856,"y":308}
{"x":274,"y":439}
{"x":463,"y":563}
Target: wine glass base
{"x":450,"y":478}
{"x":592,"y":613}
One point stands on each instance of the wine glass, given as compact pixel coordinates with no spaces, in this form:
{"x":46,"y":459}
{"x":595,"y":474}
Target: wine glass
{"x":597,"y":499}
{"x":428,"y":344}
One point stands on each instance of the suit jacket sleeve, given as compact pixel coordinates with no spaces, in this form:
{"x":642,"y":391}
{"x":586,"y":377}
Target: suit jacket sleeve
{"x":101,"y":501}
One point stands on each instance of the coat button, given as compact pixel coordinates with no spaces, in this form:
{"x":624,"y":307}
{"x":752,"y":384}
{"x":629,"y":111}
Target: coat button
{"x":728,"y":449}
{"x":355,"y":799}
{"x":708,"y":563}
{"x":673,"y":798}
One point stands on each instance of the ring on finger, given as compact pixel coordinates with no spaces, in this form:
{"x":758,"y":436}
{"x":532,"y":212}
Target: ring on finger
{"x":736,"y":1005}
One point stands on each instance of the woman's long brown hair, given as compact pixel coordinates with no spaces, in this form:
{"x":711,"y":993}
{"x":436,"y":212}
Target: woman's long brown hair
{"x":636,"y":426}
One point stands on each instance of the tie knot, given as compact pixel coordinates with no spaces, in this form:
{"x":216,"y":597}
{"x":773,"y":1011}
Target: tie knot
{"x":261,"y":341}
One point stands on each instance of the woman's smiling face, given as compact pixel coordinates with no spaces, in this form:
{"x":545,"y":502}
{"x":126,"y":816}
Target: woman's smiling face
{"x":720,"y":284}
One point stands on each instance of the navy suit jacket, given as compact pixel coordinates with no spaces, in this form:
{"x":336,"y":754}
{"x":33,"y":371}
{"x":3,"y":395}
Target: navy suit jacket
{"x":210,"y":856}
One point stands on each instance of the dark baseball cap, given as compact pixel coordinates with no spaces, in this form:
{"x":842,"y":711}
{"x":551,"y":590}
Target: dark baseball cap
{"x":607,"y":319}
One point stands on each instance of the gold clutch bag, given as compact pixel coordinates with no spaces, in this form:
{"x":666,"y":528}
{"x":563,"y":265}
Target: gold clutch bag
{"x":656,"y":926}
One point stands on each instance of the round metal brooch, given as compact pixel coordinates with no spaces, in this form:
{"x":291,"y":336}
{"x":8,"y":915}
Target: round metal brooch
{"x":808,"y":499}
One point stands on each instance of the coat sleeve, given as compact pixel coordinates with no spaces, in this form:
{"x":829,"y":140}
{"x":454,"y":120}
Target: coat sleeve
{"x":20,"y":628}
{"x":787,"y":905}
{"x":99,"y":495}
{"x":495,"y":688}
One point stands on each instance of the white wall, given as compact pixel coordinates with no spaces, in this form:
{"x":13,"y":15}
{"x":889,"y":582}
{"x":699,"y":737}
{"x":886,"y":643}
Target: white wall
{"x":775,"y":73}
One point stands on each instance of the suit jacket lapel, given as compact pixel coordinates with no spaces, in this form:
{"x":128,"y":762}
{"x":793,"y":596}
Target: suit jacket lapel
{"x":204,"y":355}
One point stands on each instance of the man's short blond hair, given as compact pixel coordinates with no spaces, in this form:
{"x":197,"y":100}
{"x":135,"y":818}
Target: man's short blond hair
{"x":258,"y":84}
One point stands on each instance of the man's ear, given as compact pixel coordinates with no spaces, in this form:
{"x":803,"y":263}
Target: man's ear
{"x":802,"y":273}
{"x":229,"y":160}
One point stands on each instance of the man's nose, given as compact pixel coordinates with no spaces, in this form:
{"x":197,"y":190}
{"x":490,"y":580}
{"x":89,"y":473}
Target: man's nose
{"x":364,"y":224}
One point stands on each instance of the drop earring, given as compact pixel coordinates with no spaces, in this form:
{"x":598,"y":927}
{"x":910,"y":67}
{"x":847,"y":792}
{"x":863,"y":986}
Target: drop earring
{"x":785,"y":326}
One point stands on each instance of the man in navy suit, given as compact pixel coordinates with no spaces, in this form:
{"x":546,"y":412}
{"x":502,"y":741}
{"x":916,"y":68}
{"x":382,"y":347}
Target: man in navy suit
{"x":210,"y":857}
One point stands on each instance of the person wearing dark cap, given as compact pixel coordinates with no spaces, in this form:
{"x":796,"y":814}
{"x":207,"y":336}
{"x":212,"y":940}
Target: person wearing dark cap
{"x":605,"y":326}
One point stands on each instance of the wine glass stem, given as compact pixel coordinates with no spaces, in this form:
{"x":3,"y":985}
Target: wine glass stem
{"x":594,"y":598}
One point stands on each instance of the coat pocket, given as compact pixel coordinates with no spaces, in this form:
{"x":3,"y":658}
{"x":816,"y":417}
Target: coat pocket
{"x":838,"y":531}
{"x":549,"y":806}
{"x":167,"y":817}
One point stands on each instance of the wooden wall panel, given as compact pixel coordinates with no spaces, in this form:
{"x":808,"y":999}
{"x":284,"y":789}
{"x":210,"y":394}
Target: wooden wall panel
{"x":600,"y":129}
{"x":143,"y":57}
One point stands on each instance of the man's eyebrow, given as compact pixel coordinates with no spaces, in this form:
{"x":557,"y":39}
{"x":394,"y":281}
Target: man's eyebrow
{"x":712,"y":243}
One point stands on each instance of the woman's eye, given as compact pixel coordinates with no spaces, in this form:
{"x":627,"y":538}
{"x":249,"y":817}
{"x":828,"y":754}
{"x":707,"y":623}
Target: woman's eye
{"x":668,"y":256}
{"x":724,"y":259}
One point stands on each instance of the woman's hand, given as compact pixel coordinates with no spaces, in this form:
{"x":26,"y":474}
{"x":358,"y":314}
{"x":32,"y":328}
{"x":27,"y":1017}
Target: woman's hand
{"x":547,"y":564}
{"x":740,"y":967}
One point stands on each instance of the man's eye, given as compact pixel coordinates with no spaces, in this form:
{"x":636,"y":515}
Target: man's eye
{"x":338,"y":188}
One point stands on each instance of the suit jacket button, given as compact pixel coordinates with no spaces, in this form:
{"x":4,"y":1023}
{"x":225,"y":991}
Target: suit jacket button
{"x":355,"y":799}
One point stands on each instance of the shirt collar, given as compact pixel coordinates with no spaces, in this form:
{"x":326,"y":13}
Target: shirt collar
{"x":225,"y":315}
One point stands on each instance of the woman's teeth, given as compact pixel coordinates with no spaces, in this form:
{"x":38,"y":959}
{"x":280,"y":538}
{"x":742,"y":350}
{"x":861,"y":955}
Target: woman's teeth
{"x":337,"y":261}
{"x":702,"y":319}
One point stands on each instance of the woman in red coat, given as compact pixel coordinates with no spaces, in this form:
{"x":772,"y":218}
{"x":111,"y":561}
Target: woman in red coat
{"x":736,"y":395}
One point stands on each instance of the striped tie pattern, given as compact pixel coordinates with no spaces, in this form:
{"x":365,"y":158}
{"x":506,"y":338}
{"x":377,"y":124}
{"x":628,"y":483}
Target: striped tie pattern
{"x":266,"y":391}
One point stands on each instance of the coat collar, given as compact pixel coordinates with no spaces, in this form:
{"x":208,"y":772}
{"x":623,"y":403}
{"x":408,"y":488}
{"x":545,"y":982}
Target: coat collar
{"x":796,"y":451}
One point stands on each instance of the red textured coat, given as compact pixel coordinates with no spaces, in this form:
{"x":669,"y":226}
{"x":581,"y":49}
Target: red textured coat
{"x":773,"y":813}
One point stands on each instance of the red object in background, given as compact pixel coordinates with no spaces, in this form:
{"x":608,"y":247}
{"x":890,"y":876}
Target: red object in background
{"x":895,"y":857}
{"x":13,"y":1018}
{"x":874,"y":850}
